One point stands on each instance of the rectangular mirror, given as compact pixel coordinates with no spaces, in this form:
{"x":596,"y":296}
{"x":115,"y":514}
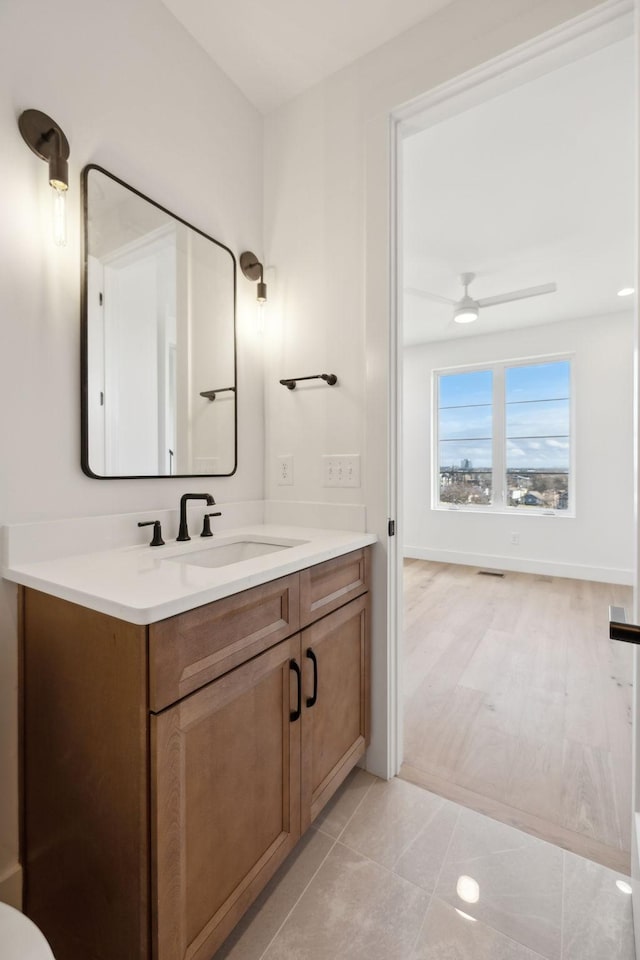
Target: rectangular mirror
{"x":158,"y":339}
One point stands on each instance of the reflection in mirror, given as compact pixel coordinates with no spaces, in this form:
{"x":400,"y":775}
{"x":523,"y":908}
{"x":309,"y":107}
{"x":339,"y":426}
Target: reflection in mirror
{"x":159,"y":353}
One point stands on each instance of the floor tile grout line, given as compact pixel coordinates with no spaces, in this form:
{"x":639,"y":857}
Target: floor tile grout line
{"x":396,"y":876}
{"x":302,"y":893}
{"x":443,"y":802}
{"x":505,"y":936}
{"x":432,"y":895}
{"x":320,"y":866}
{"x":424,"y":826}
{"x":490,"y":926}
{"x":446,"y":853}
{"x":422,"y":923}
{"x":381,"y":866}
{"x":362,"y":800}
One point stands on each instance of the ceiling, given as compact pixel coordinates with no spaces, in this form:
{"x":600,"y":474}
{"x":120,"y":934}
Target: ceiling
{"x":274,"y":50}
{"x":533,"y":186}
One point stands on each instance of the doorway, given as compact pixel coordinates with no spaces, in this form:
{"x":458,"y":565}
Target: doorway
{"x":514,"y":540}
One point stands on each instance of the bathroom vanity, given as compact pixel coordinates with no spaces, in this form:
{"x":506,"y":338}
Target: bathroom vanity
{"x":169,"y":766}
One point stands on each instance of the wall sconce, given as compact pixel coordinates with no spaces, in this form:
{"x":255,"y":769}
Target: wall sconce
{"x":46,"y":139}
{"x":252,"y":269}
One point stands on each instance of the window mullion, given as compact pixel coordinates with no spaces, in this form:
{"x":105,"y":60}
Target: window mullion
{"x":499,"y":440}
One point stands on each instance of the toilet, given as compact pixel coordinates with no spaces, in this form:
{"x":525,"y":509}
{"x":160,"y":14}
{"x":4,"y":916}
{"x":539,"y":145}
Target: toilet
{"x":20,"y":939}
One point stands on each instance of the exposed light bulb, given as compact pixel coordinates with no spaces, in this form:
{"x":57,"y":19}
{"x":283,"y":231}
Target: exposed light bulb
{"x":626,"y":291}
{"x":623,"y":886}
{"x":59,"y":216}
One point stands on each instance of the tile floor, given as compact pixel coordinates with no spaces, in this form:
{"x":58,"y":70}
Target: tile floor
{"x":377,"y":876}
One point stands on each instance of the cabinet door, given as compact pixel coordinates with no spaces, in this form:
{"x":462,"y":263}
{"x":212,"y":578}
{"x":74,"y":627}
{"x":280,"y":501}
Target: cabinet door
{"x":335,"y":717}
{"x":225,"y":800}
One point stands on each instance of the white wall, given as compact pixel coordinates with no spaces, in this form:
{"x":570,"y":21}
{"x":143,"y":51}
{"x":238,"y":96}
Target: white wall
{"x":134,"y":93}
{"x":595,"y":545}
{"x":327,"y":227}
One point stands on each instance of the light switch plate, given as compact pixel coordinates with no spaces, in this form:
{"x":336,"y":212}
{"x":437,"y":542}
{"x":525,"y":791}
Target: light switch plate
{"x":341,"y":470}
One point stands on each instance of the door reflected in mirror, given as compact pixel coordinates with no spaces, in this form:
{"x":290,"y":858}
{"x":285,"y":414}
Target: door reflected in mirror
{"x":159,"y":342}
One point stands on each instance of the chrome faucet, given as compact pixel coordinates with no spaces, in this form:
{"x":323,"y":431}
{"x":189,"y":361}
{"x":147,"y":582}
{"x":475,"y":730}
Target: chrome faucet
{"x":183,"y":532}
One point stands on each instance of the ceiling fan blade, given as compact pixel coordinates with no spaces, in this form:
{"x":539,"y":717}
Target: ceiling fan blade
{"x":518,"y":295}
{"x":429,"y":296}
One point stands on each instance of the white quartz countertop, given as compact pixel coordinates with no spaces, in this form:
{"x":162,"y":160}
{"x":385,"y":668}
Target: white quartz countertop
{"x":142,"y":584}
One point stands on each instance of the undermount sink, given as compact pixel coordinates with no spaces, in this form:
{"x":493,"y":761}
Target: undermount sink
{"x":224,"y":554}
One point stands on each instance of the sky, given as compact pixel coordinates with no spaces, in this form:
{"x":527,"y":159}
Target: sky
{"x":537,"y":409}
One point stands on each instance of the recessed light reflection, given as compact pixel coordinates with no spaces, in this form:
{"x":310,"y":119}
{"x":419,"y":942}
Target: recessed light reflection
{"x":468,"y":889}
{"x":626,"y":292}
{"x":624,"y":886}
{"x":465,"y":915}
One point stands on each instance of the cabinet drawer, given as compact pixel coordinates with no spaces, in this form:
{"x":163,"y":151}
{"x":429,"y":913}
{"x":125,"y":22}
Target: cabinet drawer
{"x":329,"y":585}
{"x":195,"y":647}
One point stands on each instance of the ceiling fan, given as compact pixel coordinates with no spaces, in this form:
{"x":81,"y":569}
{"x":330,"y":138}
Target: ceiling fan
{"x":466,"y":310}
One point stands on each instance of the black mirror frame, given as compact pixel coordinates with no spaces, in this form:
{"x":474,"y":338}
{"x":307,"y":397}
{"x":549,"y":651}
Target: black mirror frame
{"x":84,"y":358}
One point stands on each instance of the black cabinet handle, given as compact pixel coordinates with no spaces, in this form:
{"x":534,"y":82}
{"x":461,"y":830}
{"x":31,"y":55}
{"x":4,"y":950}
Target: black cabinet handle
{"x":311,"y":700}
{"x":295,"y":714}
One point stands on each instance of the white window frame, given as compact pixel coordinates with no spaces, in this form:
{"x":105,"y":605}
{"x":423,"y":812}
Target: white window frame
{"x":499,"y":441}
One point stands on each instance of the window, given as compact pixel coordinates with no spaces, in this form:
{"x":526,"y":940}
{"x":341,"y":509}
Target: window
{"x":466,"y":437}
{"x":504,"y":436}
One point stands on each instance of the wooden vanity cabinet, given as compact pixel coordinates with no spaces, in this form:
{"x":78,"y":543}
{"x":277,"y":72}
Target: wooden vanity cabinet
{"x":225,"y":801}
{"x":167,"y":770}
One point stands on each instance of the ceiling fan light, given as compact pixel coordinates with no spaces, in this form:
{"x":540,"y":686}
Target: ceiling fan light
{"x":466,"y":314}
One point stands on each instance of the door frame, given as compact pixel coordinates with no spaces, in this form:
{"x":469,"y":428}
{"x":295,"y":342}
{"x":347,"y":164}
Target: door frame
{"x":606,"y":23}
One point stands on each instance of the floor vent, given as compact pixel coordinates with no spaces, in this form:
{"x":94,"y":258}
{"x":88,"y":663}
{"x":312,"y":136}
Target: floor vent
{"x":491,"y":573}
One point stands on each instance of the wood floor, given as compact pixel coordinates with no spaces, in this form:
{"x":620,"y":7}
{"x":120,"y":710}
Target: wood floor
{"x":518,"y":705}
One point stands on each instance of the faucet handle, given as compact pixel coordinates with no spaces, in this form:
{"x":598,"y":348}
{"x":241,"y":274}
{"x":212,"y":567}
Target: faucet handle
{"x":157,"y":540}
{"x":206,"y":526}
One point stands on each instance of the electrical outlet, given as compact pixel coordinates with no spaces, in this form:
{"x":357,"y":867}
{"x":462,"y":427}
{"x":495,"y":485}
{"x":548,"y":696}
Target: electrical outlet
{"x":285,"y":471}
{"x":515,"y":539}
{"x":341,"y":470}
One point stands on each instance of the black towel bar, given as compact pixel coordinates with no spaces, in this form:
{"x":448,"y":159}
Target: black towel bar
{"x":329,"y":378}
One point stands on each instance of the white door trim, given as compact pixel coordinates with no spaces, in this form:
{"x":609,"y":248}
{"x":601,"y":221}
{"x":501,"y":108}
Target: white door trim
{"x":609,"y":21}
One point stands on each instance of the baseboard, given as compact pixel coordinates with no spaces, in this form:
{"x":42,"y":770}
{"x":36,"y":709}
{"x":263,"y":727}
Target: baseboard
{"x":11,"y":887}
{"x":548,"y":568}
